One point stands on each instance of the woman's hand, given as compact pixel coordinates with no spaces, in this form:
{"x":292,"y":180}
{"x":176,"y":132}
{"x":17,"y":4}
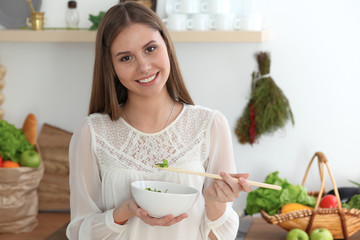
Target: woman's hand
{"x":222,"y":191}
{"x":228,"y":189}
{"x":164,"y":221}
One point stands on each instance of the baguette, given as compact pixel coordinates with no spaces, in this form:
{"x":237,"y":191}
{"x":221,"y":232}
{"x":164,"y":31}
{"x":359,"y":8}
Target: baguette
{"x":2,"y":72}
{"x":30,"y":128}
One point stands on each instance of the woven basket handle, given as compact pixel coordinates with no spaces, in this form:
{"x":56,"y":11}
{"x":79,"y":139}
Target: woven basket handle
{"x":322,"y":162}
{"x":321,"y":158}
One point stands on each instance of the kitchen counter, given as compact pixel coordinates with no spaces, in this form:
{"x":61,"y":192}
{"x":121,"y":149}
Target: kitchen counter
{"x":261,"y":230}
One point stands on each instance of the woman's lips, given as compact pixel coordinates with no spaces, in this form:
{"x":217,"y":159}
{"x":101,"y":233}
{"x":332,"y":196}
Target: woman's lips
{"x":148,"y":80}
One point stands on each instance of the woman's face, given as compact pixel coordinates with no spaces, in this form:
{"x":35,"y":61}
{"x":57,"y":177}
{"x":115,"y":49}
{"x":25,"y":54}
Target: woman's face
{"x":140,"y":59}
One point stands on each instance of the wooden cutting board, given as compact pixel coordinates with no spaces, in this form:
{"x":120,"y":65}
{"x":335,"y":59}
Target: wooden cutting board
{"x":54,"y":190}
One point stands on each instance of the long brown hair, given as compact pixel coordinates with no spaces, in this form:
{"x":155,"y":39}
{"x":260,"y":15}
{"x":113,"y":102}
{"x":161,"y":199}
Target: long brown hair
{"x":107,"y":91}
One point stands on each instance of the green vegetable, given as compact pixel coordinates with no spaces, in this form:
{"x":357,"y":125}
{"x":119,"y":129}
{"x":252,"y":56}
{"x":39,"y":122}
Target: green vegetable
{"x":12,"y":142}
{"x":271,"y":200}
{"x":353,"y":203}
{"x":154,"y":190}
{"x":95,"y":20}
{"x":164,"y":164}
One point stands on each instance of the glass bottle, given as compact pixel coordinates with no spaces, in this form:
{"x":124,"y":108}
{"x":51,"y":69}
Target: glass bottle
{"x":72,"y":15}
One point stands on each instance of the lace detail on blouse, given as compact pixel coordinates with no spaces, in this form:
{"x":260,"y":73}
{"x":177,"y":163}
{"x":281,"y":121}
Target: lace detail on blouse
{"x":119,"y":145}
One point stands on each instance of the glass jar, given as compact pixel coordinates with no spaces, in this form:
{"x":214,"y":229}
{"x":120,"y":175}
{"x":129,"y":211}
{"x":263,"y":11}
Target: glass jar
{"x":72,"y":16}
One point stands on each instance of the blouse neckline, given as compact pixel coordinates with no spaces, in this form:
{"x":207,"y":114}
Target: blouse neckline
{"x":159,"y":132}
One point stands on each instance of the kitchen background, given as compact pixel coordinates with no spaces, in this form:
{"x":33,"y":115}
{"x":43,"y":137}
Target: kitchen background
{"x":314,"y":47}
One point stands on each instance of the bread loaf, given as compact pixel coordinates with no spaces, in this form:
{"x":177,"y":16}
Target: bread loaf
{"x":30,"y":128}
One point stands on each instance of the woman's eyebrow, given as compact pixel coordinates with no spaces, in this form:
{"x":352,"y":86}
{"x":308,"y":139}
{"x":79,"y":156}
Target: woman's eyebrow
{"x":147,"y":44}
{"x":127,"y":52}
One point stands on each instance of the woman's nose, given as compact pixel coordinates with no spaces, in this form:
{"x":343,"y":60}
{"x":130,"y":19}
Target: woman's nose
{"x":144,"y":65}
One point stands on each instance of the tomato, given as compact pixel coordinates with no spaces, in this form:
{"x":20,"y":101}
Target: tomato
{"x":1,"y":162}
{"x":329,"y":201}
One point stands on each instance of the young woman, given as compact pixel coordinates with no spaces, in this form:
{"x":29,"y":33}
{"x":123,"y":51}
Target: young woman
{"x":140,"y":113}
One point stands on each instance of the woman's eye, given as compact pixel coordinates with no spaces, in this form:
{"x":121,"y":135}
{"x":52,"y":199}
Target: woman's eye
{"x":150,"y":49}
{"x":124,"y":59}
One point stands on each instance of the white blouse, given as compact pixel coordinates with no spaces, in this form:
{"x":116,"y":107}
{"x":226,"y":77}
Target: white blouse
{"x":106,"y":156}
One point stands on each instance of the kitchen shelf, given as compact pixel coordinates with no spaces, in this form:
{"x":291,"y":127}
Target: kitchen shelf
{"x":89,"y":36}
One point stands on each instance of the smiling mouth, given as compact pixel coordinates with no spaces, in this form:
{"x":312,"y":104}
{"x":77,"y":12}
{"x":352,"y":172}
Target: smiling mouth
{"x":149,"y":79}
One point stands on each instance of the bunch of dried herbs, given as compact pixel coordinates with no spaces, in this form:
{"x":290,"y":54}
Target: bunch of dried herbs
{"x":268,"y":108}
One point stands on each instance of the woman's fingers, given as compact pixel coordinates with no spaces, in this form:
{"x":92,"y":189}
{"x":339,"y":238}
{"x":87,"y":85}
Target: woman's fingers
{"x":246,"y":187}
{"x":232,"y":182}
{"x":230,"y":187}
{"x":241,"y":179}
{"x":177,"y":219}
{"x":239,"y":175}
{"x":224,"y":193}
{"x":164,"y":221}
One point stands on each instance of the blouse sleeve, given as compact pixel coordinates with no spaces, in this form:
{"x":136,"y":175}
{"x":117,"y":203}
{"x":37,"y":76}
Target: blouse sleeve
{"x":88,"y":218}
{"x":221,"y":158}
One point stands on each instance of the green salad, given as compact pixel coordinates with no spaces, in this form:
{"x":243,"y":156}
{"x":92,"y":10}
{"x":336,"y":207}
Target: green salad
{"x":164,"y":164}
{"x":155,"y":190}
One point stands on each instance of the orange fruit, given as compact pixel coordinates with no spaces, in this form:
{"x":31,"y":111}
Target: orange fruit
{"x":289,"y":207}
{"x":10,"y":164}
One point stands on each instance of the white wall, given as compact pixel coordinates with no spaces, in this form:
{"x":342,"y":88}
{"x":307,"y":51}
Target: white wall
{"x":314,"y":48}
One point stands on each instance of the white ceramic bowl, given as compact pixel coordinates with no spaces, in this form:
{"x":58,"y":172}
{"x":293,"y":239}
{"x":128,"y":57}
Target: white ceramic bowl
{"x":173,"y":199}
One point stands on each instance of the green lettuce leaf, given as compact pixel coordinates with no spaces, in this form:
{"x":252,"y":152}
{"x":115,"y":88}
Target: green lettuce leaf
{"x":12,"y":142}
{"x":353,"y":203}
{"x":271,"y":200}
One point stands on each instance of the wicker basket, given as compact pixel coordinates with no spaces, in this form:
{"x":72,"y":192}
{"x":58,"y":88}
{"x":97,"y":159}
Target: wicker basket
{"x":341,"y":222}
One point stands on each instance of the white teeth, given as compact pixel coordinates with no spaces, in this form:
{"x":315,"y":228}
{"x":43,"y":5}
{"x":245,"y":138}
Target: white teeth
{"x":148,"y":79}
